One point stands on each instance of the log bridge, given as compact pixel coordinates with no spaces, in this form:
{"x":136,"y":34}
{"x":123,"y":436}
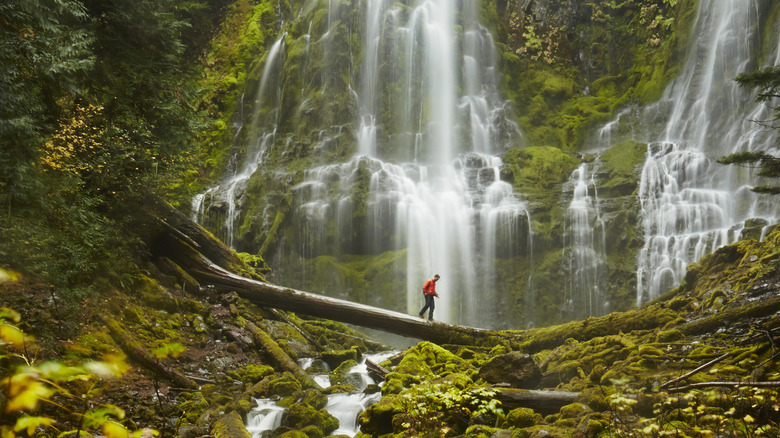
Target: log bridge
{"x":202,"y":256}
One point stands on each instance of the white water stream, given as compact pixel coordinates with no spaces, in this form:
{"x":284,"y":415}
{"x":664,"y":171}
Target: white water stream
{"x":346,"y":407}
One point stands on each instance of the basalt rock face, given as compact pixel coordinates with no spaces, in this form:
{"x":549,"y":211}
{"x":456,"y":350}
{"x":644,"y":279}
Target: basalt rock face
{"x":564,"y":69}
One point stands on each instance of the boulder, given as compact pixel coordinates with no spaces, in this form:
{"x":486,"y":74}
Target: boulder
{"x":517,"y":369}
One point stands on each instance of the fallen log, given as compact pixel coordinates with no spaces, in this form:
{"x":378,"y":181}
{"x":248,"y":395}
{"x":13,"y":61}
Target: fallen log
{"x":269,"y":295}
{"x":543,"y":402}
{"x":230,"y":425}
{"x":376,"y":371}
{"x":135,"y":351}
{"x":281,"y":358}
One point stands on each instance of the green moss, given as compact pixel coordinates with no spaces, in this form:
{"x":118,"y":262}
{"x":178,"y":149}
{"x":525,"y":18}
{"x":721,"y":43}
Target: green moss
{"x":283,"y":385}
{"x":622,"y":163}
{"x":301,"y":415}
{"x":669,"y":336}
{"x":521,"y":418}
{"x":254,"y":373}
{"x":338,"y":376}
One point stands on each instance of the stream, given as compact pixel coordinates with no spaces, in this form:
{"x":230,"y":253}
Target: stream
{"x":346,"y":407}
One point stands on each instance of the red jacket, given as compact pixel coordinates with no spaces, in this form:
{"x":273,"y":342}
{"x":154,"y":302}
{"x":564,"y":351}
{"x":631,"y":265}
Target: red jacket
{"x":429,"y":288}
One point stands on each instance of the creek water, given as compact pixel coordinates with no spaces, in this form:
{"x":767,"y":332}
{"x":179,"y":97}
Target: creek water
{"x":268,"y":415}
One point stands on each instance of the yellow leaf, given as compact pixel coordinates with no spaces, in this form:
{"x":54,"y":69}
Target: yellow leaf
{"x":24,"y":392}
{"x":10,"y":334}
{"x":6,"y":313}
{"x":749,"y":419}
{"x":31,"y":423}
{"x":112,"y":429}
{"x":7,"y":275}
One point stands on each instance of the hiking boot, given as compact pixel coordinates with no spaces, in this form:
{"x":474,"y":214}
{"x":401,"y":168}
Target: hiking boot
{"x":421,"y":315}
{"x":430,"y":318}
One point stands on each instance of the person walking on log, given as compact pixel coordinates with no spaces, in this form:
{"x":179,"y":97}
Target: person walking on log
{"x":429,"y":292}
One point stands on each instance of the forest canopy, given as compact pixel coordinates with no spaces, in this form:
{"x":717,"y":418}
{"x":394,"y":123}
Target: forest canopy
{"x":95,"y":113}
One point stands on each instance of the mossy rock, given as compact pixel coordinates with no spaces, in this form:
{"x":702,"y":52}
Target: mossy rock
{"x":378,"y":418}
{"x":427,"y":358}
{"x":397,"y":382}
{"x":283,"y":385}
{"x":669,"y":336}
{"x":313,"y":398}
{"x":334,"y":358}
{"x":517,"y":369}
{"x":622,"y":164}
{"x":342,"y":375}
{"x":575,"y":410}
{"x":481,"y":431}
{"x":254,"y":373}
{"x":194,"y":407}
{"x":594,"y":398}
{"x":301,"y":415}
{"x":521,"y":417}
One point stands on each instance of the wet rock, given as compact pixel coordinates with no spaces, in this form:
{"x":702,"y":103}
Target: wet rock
{"x":517,"y":369}
{"x":336,"y":357}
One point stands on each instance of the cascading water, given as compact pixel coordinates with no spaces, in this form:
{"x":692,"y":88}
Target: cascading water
{"x":267,"y":415}
{"x":433,"y":187}
{"x":690,"y":205}
{"x":584,"y":247}
{"x":261,"y":136}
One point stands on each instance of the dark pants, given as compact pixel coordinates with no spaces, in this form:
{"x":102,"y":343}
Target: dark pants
{"x":428,"y":304}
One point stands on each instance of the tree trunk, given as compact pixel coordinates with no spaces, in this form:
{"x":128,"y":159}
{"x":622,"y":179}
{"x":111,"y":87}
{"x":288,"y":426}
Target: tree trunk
{"x":210,"y":262}
{"x":269,"y":295}
{"x":544,"y":402}
{"x":136,"y":352}
{"x":280,"y":357}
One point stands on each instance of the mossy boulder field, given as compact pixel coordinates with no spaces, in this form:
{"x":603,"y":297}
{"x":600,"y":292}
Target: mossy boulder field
{"x":217,"y":218}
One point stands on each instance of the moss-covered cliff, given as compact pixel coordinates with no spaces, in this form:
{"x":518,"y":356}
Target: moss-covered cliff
{"x":565,"y":67}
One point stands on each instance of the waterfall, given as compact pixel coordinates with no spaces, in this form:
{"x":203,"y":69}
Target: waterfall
{"x":424,"y":178}
{"x":261,"y":135}
{"x":690,"y":205}
{"x":584,"y":247}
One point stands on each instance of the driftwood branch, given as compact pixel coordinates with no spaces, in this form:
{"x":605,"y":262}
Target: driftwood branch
{"x":692,"y":372}
{"x":728,"y":384}
{"x":376,"y":371}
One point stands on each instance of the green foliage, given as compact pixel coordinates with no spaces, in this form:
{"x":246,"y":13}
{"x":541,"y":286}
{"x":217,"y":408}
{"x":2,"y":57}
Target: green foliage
{"x":767,"y":82}
{"x":95,"y":115}
{"x":441,"y":408}
{"x":44,"y":53}
{"x":768,"y":165}
{"x":71,"y":392}
{"x":747,"y":411}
